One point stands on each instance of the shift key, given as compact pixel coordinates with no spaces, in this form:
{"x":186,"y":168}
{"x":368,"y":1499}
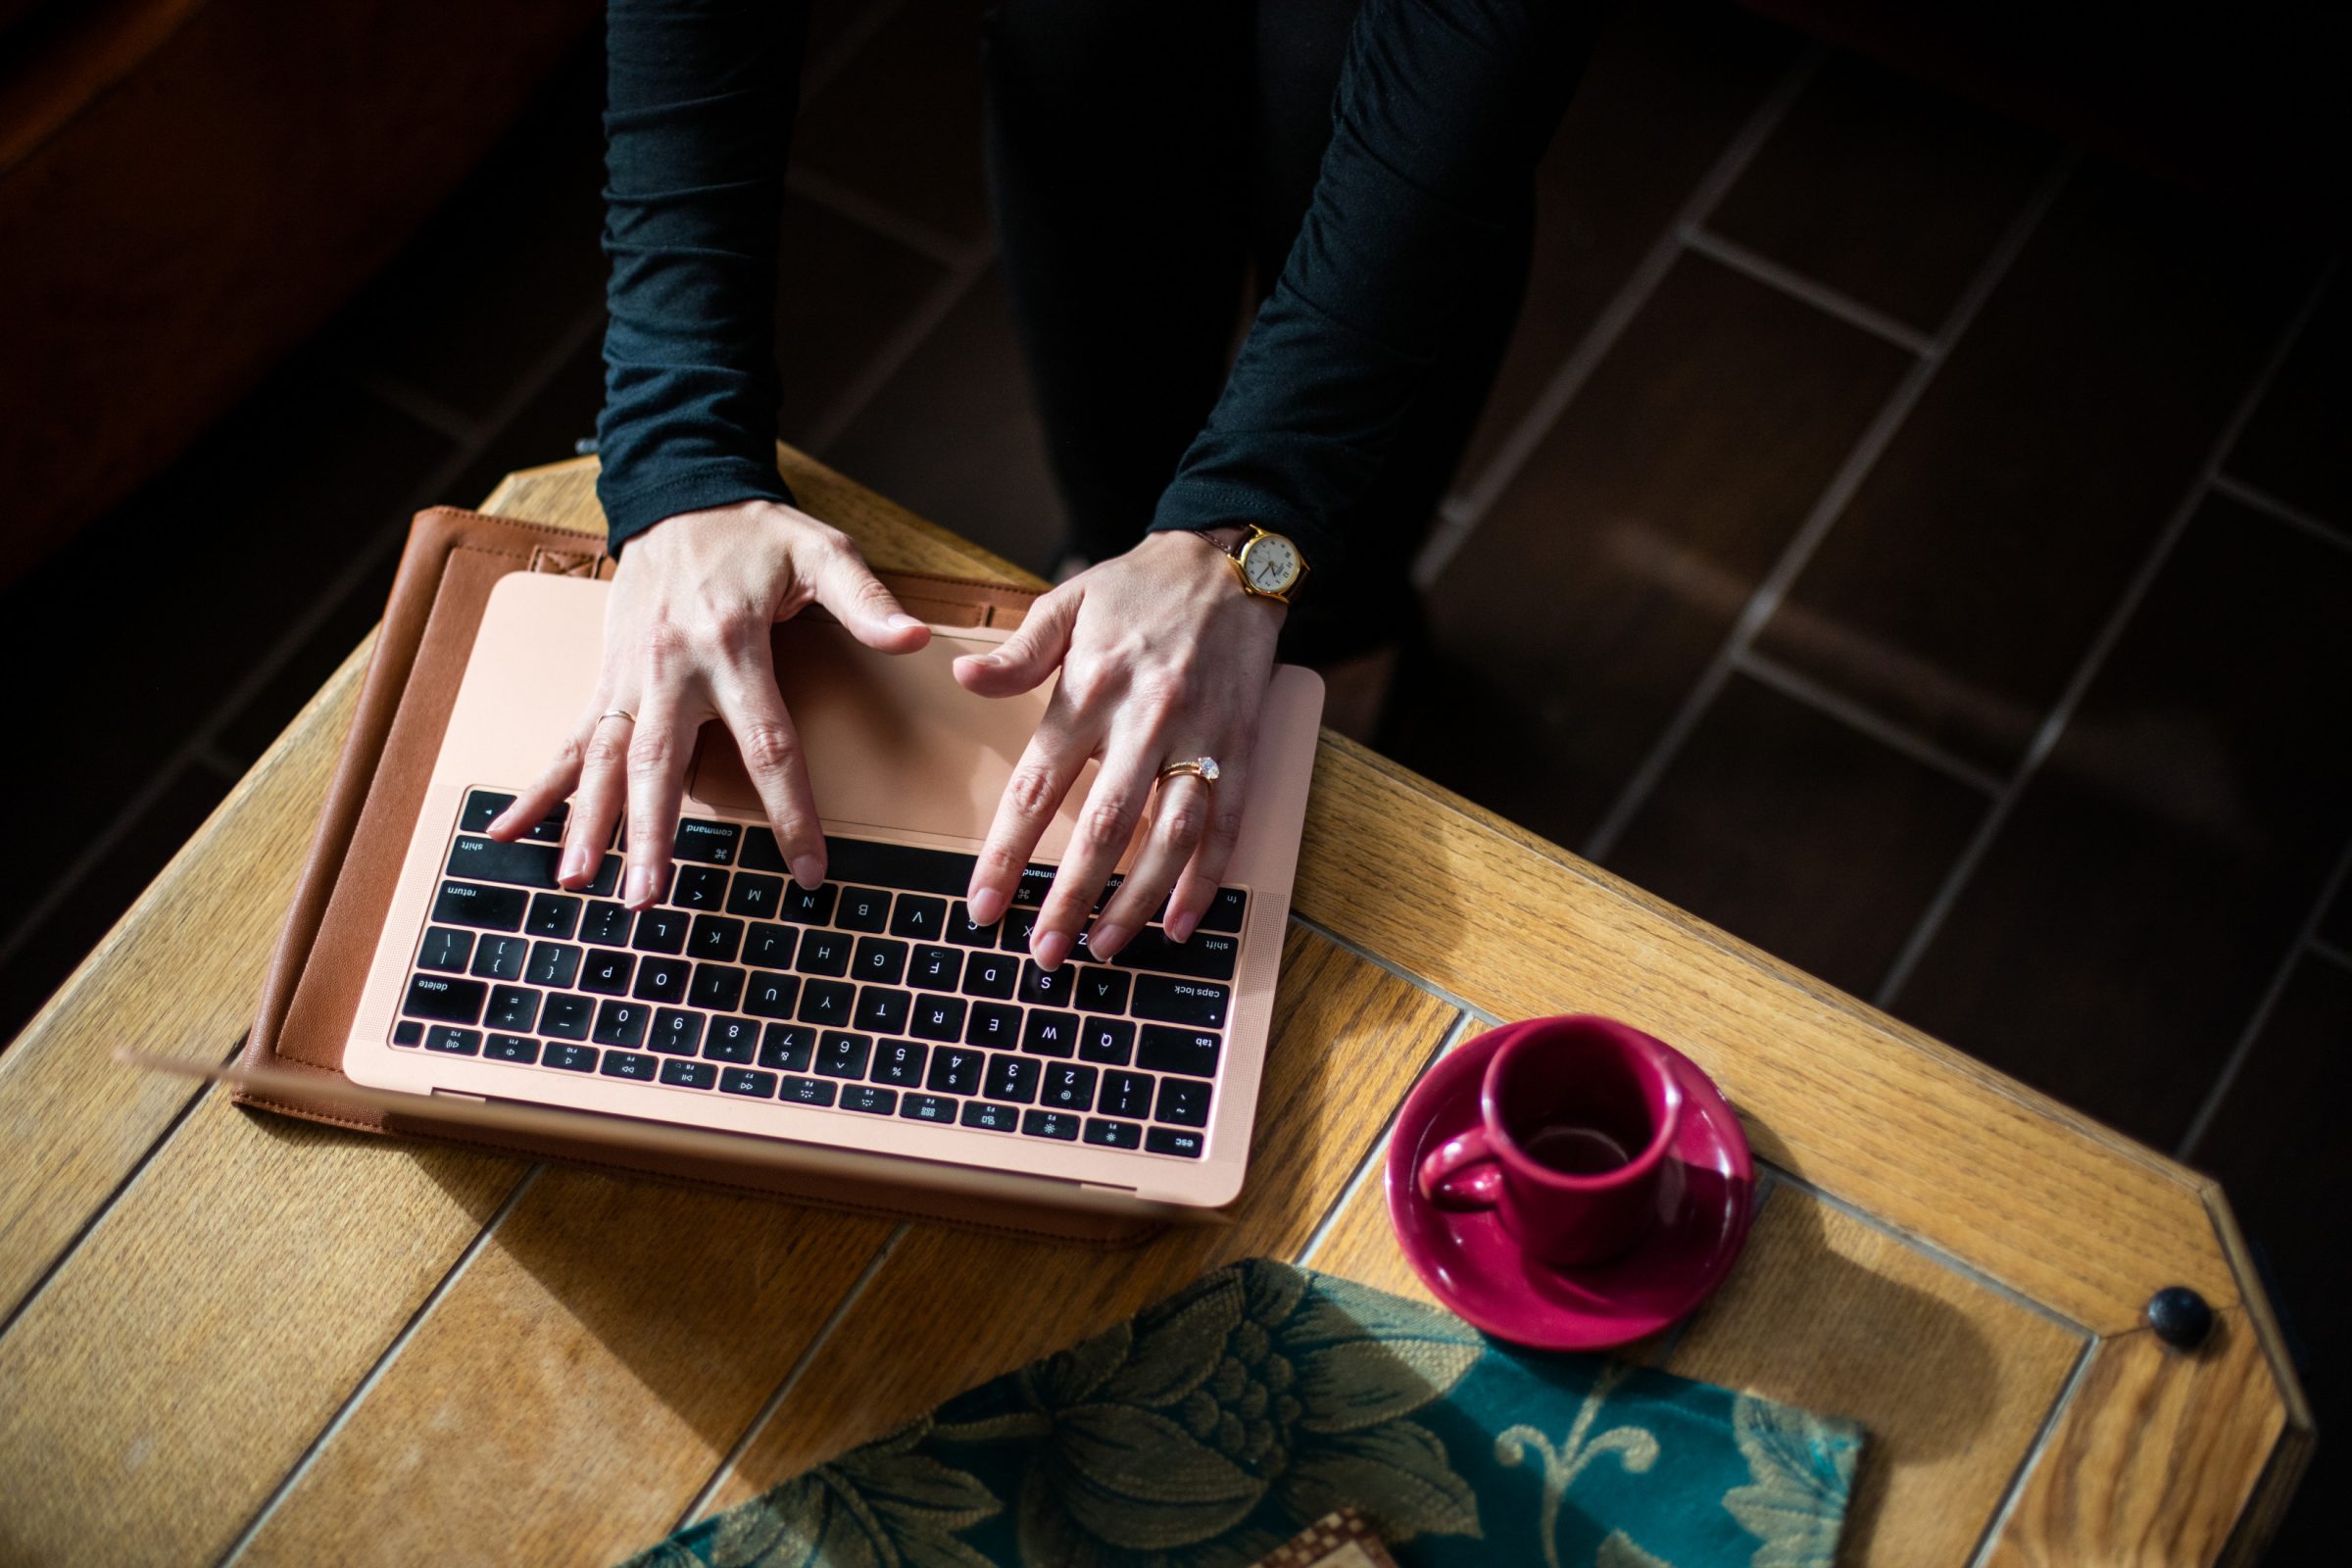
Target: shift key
{"x":1198,"y":1003}
{"x":471,"y":903}
{"x":521,"y":863}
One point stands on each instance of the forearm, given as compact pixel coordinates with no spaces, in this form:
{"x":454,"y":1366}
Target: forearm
{"x":1442,"y":114}
{"x":699,"y":110}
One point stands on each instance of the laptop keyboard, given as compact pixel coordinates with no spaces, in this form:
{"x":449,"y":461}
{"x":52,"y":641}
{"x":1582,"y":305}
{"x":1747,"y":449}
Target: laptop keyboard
{"x":873,"y":995}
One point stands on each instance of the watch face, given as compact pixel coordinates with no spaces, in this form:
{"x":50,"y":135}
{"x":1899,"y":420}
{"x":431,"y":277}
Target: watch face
{"x":1270,"y":563}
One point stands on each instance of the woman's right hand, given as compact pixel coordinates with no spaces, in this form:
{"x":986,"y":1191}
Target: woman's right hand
{"x":687,"y":640}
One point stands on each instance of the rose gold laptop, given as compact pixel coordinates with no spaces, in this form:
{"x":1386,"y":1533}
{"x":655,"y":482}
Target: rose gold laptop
{"x":868,"y":1026}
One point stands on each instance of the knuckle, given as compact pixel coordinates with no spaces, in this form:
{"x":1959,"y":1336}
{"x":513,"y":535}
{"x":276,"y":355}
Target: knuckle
{"x":1228,"y":823}
{"x":666,"y":648}
{"x":1183,"y":822}
{"x":1031,"y":792}
{"x":1167,"y":688}
{"x":606,"y":747}
{"x":651,"y":751}
{"x":767,"y":748}
{"x":1106,"y":823}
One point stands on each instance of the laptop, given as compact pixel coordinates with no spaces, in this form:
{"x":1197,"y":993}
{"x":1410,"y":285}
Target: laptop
{"x":868,"y":1027}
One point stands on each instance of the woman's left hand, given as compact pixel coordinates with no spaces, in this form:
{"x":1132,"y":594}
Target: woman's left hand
{"x":1163,"y":659}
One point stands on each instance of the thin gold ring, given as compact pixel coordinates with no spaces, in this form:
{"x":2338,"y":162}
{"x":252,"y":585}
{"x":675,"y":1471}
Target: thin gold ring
{"x":1203,"y":768}
{"x":616,"y":712}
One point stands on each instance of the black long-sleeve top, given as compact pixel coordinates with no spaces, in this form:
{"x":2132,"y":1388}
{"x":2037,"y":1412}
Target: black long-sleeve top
{"x":1441,"y":111}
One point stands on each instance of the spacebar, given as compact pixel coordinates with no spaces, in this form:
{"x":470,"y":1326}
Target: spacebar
{"x":897,"y":866}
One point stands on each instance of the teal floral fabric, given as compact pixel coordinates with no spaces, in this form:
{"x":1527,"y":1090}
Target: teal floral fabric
{"x":1216,"y":1425}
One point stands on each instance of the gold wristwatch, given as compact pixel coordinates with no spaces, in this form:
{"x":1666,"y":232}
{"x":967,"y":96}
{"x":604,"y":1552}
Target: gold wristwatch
{"x":1266,"y":564}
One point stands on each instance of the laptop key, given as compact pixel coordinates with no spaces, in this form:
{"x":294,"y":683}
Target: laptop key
{"x":1050,"y":1034}
{"x":771,"y":995}
{"x":1186,"y":1051}
{"x":937,"y":1018}
{"x":700,"y":887}
{"x":806,"y":1091}
{"x":1036,"y":882}
{"x":825,"y":952}
{"x":552,"y":963}
{"x":689,"y":1074}
{"x":753,"y":895}
{"x":866,"y":1098}
{"x":862,"y":910}
{"x":628,"y":1064}
{"x":934,"y":966}
{"x":660,"y":979}
{"x":608,"y":972}
{"x":734,"y":1040}
{"x":840,"y":1055}
{"x":439,"y":1001}
{"x":898,"y":1061}
{"x":1113,"y":1134}
{"x":717,"y":988}
{"x":457,"y":1042}
{"x":620,"y":1023}
{"x":1225,"y":911}
{"x":990,"y":974}
{"x":445,"y":950}
{"x":677,"y":1033}
{"x":828,"y":1001}
{"x":1011,"y":1078}
{"x":1174,"y":1140}
{"x":715,"y":938}
{"x":521,"y":863}
{"x":994,"y":1024}
{"x":1100,"y":989}
{"x":787,"y":1048}
{"x":607,"y":880}
{"x":567,"y":1016}
{"x":1209,"y":956}
{"x":917,"y":918}
{"x":511,"y":1007}
{"x":605,"y":924}
{"x":408,"y":1032}
{"x":553,"y":915}
{"x":1045,"y":989}
{"x":509,"y":1048}
{"x":500,"y":958}
{"x":1199,"y":1003}
{"x":879,"y":961}
{"x":569,"y":1058}
{"x":749,"y":1082}
{"x":1109,"y":1040}
{"x":1126,"y":1094}
{"x":1068,"y":1088}
{"x":965,"y":934}
{"x":481,"y":810}
{"x":882,"y":1010}
{"x":484,"y":908}
{"x":897,"y":866}
{"x":660,"y":930}
{"x":1184,"y":1101}
{"x":958,"y":1070}
{"x":758,"y":850}
{"x":991,"y":1118}
{"x":1014,"y":930}
{"x":767,"y":946}
{"x":714,"y":842}
{"x":1055,"y":1124}
{"x":926,"y":1107}
{"x":807,"y":905}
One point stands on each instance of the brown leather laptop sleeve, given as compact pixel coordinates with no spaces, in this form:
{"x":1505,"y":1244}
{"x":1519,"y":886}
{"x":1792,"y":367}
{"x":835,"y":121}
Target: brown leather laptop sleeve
{"x":312,"y":992}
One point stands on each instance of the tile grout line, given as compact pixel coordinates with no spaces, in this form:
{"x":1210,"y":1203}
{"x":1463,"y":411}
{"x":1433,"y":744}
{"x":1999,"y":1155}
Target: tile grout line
{"x":2321,"y":948}
{"x":2306,"y":943}
{"x":1376,"y":1156}
{"x":1796,"y":285}
{"x":1859,"y":718}
{"x":791,"y":1377}
{"x":1843,"y":487}
{"x":267,"y":668}
{"x":882,"y":220}
{"x":2032,"y":1457}
{"x":2054,"y":723}
{"x":2278,"y":510}
{"x":383,"y":1362}
{"x":898,"y":351}
{"x":819,"y":73}
{"x":1459,"y":515}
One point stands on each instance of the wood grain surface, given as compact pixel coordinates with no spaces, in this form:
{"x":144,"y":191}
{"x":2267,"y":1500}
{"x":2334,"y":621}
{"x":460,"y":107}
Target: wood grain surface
{"x":227,"y":1322}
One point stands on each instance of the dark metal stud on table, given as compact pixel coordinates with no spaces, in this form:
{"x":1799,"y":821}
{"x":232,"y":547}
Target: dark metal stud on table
{"x":2180,"y":1317}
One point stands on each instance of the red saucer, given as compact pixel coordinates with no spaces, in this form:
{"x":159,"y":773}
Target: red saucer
{"x":1479,"y":1272}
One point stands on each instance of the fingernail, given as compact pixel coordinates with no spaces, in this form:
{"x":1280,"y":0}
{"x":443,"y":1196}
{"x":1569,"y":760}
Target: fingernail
{"x":902,"y":620}
{"x":986,"y":906}
{"x":639,"y":890}
{"x":575,"y":865}
{"x":1106,"y":939}
{"x":1179,"y":928}
{"x":1051,"y":948}
{"x":808,"y":871}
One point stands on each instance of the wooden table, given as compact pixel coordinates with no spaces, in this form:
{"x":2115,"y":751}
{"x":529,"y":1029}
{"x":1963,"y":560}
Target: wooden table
{"x":228,"y":1335}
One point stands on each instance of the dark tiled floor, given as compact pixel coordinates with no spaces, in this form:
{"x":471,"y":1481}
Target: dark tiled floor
{"x":1857,"y":550}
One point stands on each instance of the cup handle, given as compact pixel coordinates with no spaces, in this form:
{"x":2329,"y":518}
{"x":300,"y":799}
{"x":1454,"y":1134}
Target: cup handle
{"x":1448,"y":1181}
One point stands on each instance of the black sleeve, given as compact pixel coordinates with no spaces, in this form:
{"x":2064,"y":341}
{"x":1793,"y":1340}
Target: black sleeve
{"x":699,"y":97}
{"x":1444,"y":109}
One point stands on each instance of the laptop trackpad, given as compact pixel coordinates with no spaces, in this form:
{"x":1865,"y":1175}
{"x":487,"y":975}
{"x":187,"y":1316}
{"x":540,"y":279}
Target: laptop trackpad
{"x":892,"y":742}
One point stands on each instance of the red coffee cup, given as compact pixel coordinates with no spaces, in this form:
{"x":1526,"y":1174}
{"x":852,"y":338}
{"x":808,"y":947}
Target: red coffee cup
{"x":1576,"y":1119}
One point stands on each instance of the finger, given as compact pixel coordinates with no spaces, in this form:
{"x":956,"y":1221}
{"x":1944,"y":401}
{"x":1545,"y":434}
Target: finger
{"x":1197,"y":887}
{"x":551,"y":789}
{"x":1032,"y":653}
{"x":844,"y":584}
{"x":598,"y":798}
{"x":753,"y":709}
{"x":1052,"y":762}
{"x":1105,"y":827}
{"x":1176,"y":822}
{"x":659,"y":743}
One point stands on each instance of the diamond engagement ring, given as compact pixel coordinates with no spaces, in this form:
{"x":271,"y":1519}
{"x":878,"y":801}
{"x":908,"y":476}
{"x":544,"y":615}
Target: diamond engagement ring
{"x":1203,"y":768}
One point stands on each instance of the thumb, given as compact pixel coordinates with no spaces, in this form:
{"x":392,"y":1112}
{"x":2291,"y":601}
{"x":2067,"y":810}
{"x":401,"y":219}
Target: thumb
{"x":1030,"y":654}
{"x":844,"y":585}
